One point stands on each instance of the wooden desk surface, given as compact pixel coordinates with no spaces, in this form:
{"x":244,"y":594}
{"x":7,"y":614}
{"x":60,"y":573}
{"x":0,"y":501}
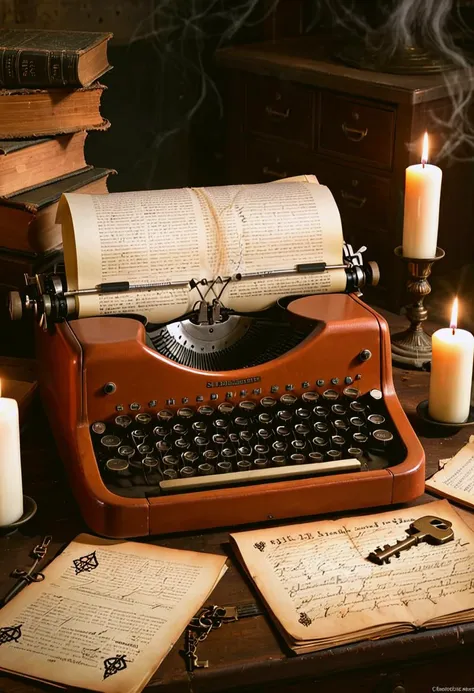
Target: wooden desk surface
{"x":248,"y":655}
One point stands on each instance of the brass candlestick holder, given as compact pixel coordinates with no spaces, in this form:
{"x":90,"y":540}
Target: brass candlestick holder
{"x":413,"y":346}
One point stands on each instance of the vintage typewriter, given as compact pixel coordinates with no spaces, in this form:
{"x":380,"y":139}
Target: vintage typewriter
{"x":223,"y":419}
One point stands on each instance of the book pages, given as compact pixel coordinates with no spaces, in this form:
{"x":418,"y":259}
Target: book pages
{"x":455,"y":479}
{"x":106,"y":614}
{"x":201,"y":233}
{"x":323,"y":591}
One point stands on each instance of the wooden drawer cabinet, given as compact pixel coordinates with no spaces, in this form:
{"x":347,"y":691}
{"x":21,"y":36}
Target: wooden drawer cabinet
{"x":293,"y":110}
{"x":356,"y":130}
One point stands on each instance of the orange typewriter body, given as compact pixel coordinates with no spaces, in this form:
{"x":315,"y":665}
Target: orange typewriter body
{"x":80,"y":357}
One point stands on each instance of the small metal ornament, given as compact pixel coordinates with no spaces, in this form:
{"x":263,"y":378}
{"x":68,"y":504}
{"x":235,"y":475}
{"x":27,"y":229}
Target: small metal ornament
{"x":412,"y":347}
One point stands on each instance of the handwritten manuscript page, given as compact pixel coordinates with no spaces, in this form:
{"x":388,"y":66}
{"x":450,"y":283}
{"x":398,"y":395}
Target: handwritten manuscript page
{"x":106,"y":614}
{"x":456,"y":479}
{"x":201,"y":233}
{"x":322,"y":590}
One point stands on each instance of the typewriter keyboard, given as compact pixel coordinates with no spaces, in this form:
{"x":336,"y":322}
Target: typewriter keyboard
{"x":193,"y":449}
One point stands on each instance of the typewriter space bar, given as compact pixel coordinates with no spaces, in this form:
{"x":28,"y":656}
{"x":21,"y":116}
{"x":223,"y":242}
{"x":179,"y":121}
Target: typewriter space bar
{"x":199,"y":483}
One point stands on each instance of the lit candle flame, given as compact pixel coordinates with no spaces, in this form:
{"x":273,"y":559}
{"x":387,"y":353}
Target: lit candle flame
{"x":424,"y":153}
{"x":454,"y":315}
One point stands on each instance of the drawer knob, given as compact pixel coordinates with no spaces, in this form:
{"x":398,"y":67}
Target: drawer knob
{"x":277,"y":114}
{"x":354,"y":134}
{"x":353,"y":200}
{"x":275,"y":174}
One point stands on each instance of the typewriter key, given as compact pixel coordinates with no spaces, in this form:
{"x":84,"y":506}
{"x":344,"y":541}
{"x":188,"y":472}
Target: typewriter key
{"x":117,"y":466}
{"x":357,"y":407}
{"x":219,"y":440}
{"x":144,"y":449}
{"x":320,"y":412}
{"x":241,"y":422}
{"x":351,"y":392}
{"x":284,"y":415}
{"x":162,"y":447}
{"x":338,"y":442}
{"x":201,"y":443}
{"x":160,"y":432}
{"x":357,"y":422}
{"x":220,"y":424}
{"x":138,"y":436}
{"x":298,"y":445}
{"x":283,"y":432}
{"x":143,"y":419}
{"x":164,"y":415}
{"x":310,"y":397}
{"x":261,"y":450}
{"x":279,"y":446}
{"x":190,"y":458}
{"x":360,"y":439}
{"x":265,"y":418}
{"x":246,"y":436}
{"x":332,"y":455}
{"x":264,"y":434}
{"x":321,"y":427}
{"x":358,"y":453}
{"x":303,"y":414}
{"x":126,"y":451}
{"x":260,"y":463}
{"x":278,"y":461}
{"x":170,"y":474}
{"x":187,"y":472}
{"x":338,"y":409}
{"x":110,"y":442}
{"x":98,"y":427}
{"x":376,"y":394}
{"x":340,"y":425}
{"x":224,"y":467}
{"x":149,"y":463}
{"x":170,"y":462}
{"x":123,"y":421}
{"x":244,"y":465}
{"x":205,"y":411}
{"x":205,"y":469}
{"x":297,"y":458}
{"x":181,"y":444}
{"x":245,"y":452}
{"x":320,"y":443}
{"x":185,"y":413}
{"x":180,"y":430}
{"x":268,"y":402}
{"x":382,"y":437}
{"x":288,"y":400}
{"x":210,"y":456}
{"x":225,"y":408}
{"x":199,"y":426}
{"x":331,"y":395}
{"x":302,"y":430}
{"x":375,"y":421}
{"x":247,"y":406}
{"x":229,"y":455}
{"x":233,"y":438}
{"x":316,"y":457}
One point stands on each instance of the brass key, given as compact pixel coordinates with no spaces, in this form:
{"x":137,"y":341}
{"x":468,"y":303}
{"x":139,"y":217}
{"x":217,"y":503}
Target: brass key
{"x":433,"y":530}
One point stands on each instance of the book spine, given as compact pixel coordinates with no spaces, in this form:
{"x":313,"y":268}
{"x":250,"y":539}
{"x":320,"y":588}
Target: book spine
{"x":28,"y":68}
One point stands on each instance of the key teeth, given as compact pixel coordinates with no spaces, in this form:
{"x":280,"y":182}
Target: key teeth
{"x":386,"y":547}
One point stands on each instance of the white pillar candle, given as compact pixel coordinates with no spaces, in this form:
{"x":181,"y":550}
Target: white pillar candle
{"x":11,"y":489}
{"x":421,"y":214}
{"x":451,"y":373}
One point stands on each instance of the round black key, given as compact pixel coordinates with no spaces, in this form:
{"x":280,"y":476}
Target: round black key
{"x":376,"y":419}
{"x":303,"y":414}
{"x":163,"y":447}
{"x":283,"y":432}
{"x":321,"y":427}
{"x":338,"y":442}
{"x":126,"y":451}
{"x":297,"y":458}
{"x":261,"y":463}
{"x":199,"y":426}
{"x":110,"y":442}
{"x":181,"y":444}
{"x":351,"y":392}
{"x":245,"y":452}
{"x":164,"y":415}
{"x":376,"y":394}
{"x":233,"y":438}
{"x":340,"y":425}
{"x":357,"y":453}
{"x":261,"y":450}
{"x":310,"y":397}
{"x":246,"y":436}
{"x":179,"y":430}
{"x":338,"y":410}
{"x":302,"y":430}
{"x":170,"y":474}
{"x":205,"y":469}
{"x":332,"y":455}
{"x":320,"y":443}
{"x":246,"y":406}
{"x":185,"y":413}
{"x":268,"y":402}
{"x":241,"y":422}
{"x":278,"y":461}
{"x":143,"y":419}
{"x":284,"y":415}
{"x":265,"y":418}
{"x":160,"y":432}
{"x":187,"y":472}
{"x":225,"y":408}
{"x":382,"y":436}
{"x":360,"y":439}
{"x":357,"y":422}
{"x":298,"y":445}
{"x":205,"y":411}
{"x":331,"y":395}
{"x":220,"y":424}
{"x":288,"y":400}
{"x":320,"y":412}
{"x":316,"y":457}
{"x":279,"y":446}
{"x":144,"y":449}
{"x":98,"y":427}
{"x":263,"y":434}
{"x":116,"y":465}
{"x":357,"y":407}
{"x":190,"y":458}
{"x":170,"y":462}
{"x":244,"y":465}
{"x":219,"y":440}
{"x":210,"y":456}
{"x":123,"y":421}
{"x":229,"y":455}
{"x":224,"y":467}
{"x":138,"y":436}
{"x":201,"y":442}
{"x":149,"y":463}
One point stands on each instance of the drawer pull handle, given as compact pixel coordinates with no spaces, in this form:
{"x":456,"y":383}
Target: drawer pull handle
{"x":277,"y":114}
{"x":276,"y":174}
{"x":354,"y":134}
{"x":353,"y":200}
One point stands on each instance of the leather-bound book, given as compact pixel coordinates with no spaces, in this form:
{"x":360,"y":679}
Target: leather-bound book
{"x":44,"y":58}
{"x":38,"y":112}
{"x":25,"y":164}
{"x":28,"y":221}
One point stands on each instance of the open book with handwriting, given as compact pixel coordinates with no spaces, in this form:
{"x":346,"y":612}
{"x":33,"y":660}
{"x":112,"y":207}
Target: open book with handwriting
{"x":322,"y":591}
{"x":106,"y":614}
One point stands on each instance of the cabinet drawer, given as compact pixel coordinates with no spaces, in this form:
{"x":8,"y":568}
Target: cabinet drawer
{"x":363,"y":199}
{"x":267,"y":161}
{"x":280,"y":109}
{"x":356,"y":129}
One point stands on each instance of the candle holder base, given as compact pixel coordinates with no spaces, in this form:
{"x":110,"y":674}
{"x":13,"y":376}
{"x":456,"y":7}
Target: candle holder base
{"x":412,"y":347}
{"x":423,"y":413}
{"x":29,"y":510}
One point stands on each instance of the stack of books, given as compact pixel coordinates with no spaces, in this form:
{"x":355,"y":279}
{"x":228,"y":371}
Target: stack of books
{"x":49,"y":100}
